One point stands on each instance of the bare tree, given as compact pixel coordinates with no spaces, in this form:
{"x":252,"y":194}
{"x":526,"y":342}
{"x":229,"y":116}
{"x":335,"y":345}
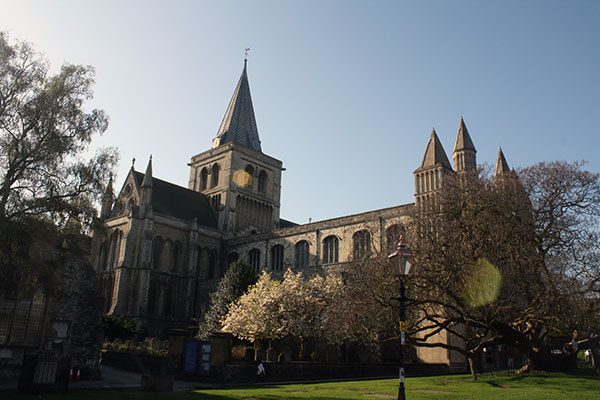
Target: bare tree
{"x":508,"y":260}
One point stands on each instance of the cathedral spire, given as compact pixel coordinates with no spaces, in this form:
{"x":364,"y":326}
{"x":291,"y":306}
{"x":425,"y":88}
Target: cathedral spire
{"x":239,"y":123}
{"x":502,"y":167}
{"x":464,"y":151}
{"x":434,"y":153}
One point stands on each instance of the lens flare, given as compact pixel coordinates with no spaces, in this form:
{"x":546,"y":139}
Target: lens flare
{"x":481,"y":284}
{"x":242,"y":178}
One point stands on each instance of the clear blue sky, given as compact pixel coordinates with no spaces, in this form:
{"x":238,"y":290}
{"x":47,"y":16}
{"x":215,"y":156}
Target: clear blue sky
{"x":345,"y":92}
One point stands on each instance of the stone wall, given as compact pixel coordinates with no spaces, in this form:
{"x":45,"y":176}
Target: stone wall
{"x":375,"y":222}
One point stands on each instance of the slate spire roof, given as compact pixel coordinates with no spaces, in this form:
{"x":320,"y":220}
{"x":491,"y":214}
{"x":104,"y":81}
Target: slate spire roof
{"x":502,"y":167}
{"x":463,"y":139}
{"x":434,"y":153}
{"x":239,"y":123}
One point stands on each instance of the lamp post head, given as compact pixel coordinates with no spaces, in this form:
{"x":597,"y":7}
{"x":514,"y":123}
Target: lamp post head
{"x":404,"y":255}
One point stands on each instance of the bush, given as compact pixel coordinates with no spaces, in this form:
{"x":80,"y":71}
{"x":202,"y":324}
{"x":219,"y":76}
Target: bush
{"x":119,"y":327}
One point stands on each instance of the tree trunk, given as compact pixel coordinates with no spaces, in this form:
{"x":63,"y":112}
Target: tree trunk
{"x":595,"y":361}
{"x":301,"y":350}
{"x":472,"y":366}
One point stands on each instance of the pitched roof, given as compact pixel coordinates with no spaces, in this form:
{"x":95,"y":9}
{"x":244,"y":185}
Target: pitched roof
{"x":239,"y":123}
{"x":179,"y":202}
{"x":501,"y":164}
{"x":463,"y":139}
{"x":434,"y":153}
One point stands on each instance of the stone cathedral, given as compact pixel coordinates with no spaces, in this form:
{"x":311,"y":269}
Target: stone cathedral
{"x":164,"y":247}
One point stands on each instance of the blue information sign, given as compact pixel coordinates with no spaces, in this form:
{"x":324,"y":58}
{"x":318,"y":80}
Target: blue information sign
{"x":190,"y":356}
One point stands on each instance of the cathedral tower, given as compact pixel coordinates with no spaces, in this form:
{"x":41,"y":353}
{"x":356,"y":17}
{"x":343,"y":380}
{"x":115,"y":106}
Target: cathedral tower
{"x":243,"y":183}
{"x":429,"y":176}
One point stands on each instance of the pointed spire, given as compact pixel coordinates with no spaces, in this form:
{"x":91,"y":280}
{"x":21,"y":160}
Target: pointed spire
{"x":107,"y":199}
{"x":464,"y":153}
{"x":148,"y":175}
{"x":146,"y":199}
{"x":434,"y":153}
{"x":502,"y":167}
{"x":239,"y":123}
{"x":463,"y":139}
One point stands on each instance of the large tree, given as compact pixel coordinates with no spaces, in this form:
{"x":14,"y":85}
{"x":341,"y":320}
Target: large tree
{"x":45,"y":131}
{"x":238,"y":277}
{"x":46,"y":177}
{"x":511,"y":259}
{"x":295,"y":309}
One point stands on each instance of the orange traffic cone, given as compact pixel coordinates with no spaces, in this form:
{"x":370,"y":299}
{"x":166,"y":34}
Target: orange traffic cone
{"x":78,"y":377}
{"x":71,"y":374}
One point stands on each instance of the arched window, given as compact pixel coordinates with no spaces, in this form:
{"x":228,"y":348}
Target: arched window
{"x":118,"y":240}
{"x":212,"y":264}
{"x":168,"y":309}
{"x":214,"y":180}
{"x":104,"y":255}
{"x":262,"y":182}
{"x":362,"y":244}
{"x":156,"y":250}
{"x":203,"y":179}
{"x":153,"y":298}
{"x":331,"y":246}
{"x":112,"y":249}
{"x":254,"y":259}
{"x":302,"y":253}
{"x":392,"y":236}
{"x":175,"y":253}
{"x":249,"y":176}
{"x":277,"y":257}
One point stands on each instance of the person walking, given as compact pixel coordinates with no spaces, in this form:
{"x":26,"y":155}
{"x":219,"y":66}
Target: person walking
{"x":260,"y":372}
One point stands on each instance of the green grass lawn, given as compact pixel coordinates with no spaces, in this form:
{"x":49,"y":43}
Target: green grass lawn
{"x":546,"y":386}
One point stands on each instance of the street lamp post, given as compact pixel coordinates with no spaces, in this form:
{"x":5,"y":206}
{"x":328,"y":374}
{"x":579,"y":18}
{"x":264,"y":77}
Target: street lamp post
{"x":404,"y":255}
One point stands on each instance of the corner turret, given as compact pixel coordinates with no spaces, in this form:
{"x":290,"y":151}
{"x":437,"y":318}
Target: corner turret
{"x":464,"y":151}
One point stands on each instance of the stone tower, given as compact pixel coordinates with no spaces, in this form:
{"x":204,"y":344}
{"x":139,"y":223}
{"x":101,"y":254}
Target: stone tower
{"x":430,"y":175}
{"x":243,"y":183}
{"x":464,"y":151}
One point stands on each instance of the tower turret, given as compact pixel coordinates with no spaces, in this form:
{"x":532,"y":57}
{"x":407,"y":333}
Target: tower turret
{"x":107,"y":200}
{"x":146,"y":197}
{"x":502,"y":167}
{"x":429,"y":176}
{"x":464,"y":151}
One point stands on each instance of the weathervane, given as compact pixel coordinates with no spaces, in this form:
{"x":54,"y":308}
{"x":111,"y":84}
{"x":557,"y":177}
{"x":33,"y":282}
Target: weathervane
{"x":247,"y":49}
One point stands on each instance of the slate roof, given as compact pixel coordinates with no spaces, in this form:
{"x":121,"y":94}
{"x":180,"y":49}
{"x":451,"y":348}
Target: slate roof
{"x":239,"y":123}
{"x":284,"y":223}
{"x":463,"y":139}
{"x":501,"y":164}
{"x":179,"y":202}
{"x":434,"y":153}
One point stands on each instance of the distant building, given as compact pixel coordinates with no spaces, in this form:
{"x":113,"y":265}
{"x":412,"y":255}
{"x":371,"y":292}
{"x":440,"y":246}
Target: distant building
{"x":165,"y":247}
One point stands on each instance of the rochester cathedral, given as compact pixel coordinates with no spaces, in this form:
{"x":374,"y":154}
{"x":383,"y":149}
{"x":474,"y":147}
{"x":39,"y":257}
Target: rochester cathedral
{"x":164,"y":247}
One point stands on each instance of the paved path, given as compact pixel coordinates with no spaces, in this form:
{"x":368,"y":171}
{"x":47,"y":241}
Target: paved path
{"x":112,"y":378}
